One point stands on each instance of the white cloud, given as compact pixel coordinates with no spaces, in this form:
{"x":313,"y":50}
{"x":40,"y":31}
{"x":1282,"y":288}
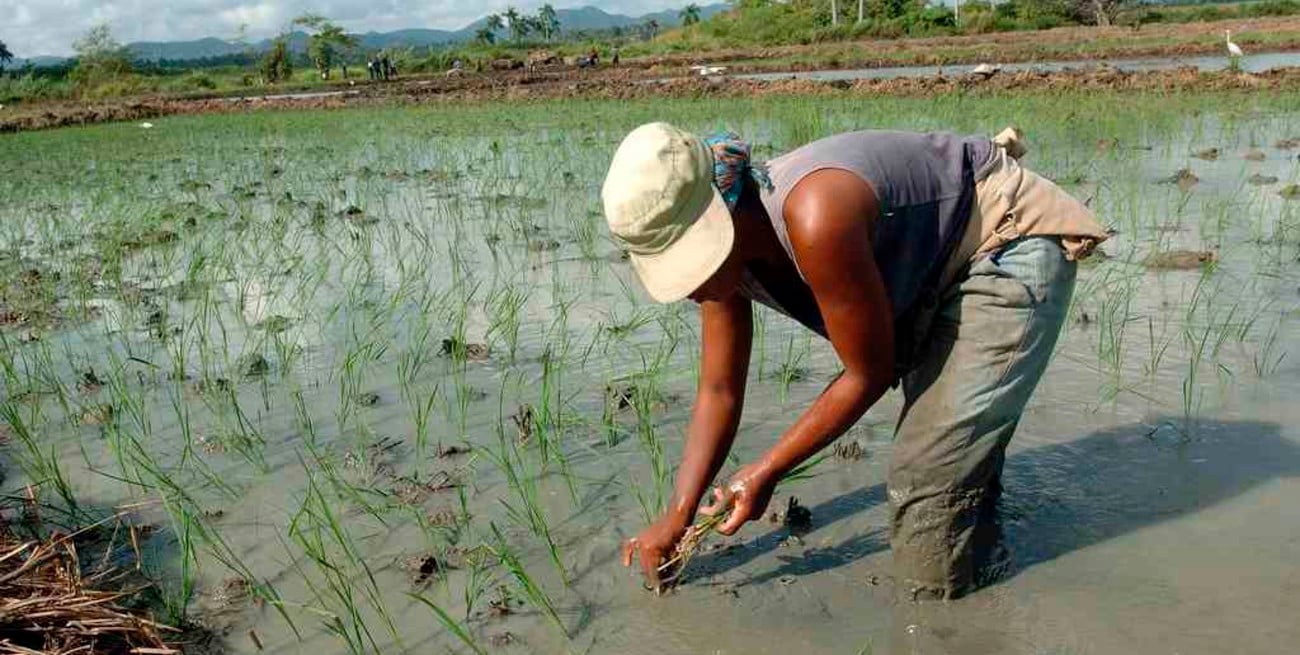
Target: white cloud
{"x":48,"y":27}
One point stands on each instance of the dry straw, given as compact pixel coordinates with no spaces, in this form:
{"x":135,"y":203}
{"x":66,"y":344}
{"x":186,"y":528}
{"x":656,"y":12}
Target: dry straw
{"x":47,"y":607}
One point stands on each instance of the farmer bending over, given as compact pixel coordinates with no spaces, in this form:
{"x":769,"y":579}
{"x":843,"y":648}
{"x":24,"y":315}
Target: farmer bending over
{"x":934,"y":261}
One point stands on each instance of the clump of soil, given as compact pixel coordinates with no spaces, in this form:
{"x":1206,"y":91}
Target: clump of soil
{"x":148,"y":238}
{"x":457,"y":348}
{"x":367,"y":399}
{"x":1181,"y":260}
{"x":1185,"y":179}
{"x":421,"y":568}
{"x":253,"y":365}
{"x":88,"y":382}
{"x":1208,"y":154}
{"x":619,"y":398}
{"x":413,"y":491}
{"x":502,"y":639}
{"x":275,"y":324}
{"x":443,"y":517}
{"x":849,"y":451}
{"x":504,"y":603}
{"x":543,"y":245}
{"x":1287,"y":144}
{"x":232,"y":593}
{"x":28,"y":294}
{"x":525,"y":422}
{"x":1290,"y":192}
{"x":1254,"y":154}
{"x":1261,"y":180}
{"x":452,"y":451}
{"x":796,"y":518}
{"x":212,"y":385}
{"x":98,"y":414}
{"x":356,"y":215}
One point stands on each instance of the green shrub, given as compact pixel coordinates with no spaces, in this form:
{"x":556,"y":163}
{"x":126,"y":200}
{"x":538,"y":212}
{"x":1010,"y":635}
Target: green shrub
{"x":25,"y":88}
{"x":197,"y":81}
{"x":125,"y":85}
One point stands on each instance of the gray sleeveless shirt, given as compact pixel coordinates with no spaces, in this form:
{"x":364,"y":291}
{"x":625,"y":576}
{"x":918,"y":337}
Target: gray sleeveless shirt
{"x":925,"y":184}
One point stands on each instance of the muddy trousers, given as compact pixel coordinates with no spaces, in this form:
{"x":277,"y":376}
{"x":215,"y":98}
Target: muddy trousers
{"x":989,"y":344}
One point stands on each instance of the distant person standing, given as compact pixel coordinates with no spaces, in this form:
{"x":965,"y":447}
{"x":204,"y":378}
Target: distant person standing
{"x":613,"y":57}
{"x":370,"y":68}
{"x":386,"y":67}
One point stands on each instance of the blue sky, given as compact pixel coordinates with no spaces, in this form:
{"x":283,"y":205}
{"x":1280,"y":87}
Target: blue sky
{"x":48,"y":27}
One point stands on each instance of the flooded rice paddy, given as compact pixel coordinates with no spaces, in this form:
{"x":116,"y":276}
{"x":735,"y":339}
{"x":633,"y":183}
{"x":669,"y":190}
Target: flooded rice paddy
{"x":376,"y":381}
{"x":1255,"y":63}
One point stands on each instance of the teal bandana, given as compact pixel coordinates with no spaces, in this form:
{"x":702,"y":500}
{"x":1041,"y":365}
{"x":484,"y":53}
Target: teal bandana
{"x":731,"y":165}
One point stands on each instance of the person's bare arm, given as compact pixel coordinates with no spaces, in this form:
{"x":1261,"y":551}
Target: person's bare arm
{"x":828,"y":216}
{"x":727,"y":327}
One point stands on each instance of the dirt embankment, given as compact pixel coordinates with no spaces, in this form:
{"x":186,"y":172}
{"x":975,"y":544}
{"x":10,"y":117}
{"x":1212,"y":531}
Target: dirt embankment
{"x":1058,"y":44}
{"x":643,"y":77}
{"x":569,"y":86}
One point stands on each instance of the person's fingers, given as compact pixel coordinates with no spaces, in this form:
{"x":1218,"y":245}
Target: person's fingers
{"x":629,"y":546}
{"x":721,"y":501}
{"x":650,"y":567}
{"x":739,"y":515}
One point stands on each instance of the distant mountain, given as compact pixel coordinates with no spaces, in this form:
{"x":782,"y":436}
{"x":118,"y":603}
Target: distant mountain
{"x":588,"y":19}
{"x":35,"y":62}
{"x":202,"y":48}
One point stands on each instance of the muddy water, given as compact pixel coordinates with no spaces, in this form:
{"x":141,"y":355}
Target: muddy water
{"x":1255,"y":63}
{"x":1148,"y":490}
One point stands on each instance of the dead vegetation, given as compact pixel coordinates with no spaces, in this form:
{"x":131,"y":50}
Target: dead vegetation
{"x":52,"y":602}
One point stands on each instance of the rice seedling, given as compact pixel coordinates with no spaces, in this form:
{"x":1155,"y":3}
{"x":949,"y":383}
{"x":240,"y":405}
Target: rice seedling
{"x":289,"y":338}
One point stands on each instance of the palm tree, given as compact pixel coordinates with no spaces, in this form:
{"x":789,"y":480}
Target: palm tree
{"x":548,"y":22}
{"x":485,"y":35}
{"x":5,"y":55}
{"x":518,"y":28}
{"x":690,"y":14}
{"x":495,"y":23}
{"x":651,"y":28}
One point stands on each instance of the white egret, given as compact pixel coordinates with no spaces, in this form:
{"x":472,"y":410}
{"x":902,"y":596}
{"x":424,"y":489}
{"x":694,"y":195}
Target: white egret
{"x":1234,"y":50}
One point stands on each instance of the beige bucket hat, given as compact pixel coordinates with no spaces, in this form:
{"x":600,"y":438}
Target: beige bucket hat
{"x":663,"y":208}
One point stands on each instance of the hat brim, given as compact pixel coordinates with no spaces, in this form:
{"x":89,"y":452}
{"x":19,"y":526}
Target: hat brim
{"x":683,"y":267}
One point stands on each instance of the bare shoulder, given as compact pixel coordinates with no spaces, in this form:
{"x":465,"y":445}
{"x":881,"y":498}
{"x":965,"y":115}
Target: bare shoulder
{"x":829,"y":204}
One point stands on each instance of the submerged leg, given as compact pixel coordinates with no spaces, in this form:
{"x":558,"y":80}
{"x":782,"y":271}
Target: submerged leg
{"x":988,"y":347}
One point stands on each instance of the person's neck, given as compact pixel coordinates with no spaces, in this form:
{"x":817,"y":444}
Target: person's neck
{"x":758,"y":237}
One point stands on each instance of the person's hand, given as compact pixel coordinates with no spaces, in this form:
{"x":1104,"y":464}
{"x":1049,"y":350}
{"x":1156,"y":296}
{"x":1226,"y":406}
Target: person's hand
{"x":655,"y":545}
{"x":746,"y":494}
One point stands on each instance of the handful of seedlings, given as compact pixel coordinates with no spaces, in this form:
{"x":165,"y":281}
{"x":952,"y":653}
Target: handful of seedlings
{"x":691,"y":542}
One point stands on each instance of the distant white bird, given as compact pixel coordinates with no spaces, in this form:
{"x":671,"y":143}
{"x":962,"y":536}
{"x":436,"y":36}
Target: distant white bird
{"x":1234,"y":50}
{"x":146,"y":125}
{"x":709,"y":70}
{"x":985,"y":70}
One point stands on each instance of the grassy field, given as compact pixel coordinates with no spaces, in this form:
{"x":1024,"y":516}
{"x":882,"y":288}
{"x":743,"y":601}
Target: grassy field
{"x":375,"y":380}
